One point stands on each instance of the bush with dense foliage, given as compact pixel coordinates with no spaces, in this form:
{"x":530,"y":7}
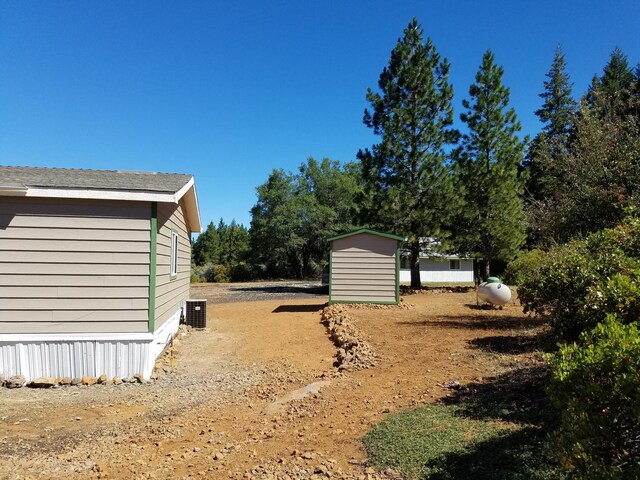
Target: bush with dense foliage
{"x":596,"y":386}
{"x":210,"y":272}
{"x":584,"y":280}
{"x":524,"y":267}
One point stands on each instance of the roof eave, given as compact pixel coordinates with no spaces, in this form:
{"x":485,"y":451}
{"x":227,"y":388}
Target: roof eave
{"x":190,"y":200}
{"x":187,"y":192}
{"x":100,"y":194}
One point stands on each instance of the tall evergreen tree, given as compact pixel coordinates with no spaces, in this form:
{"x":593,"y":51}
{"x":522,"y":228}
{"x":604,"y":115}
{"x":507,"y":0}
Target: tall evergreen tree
{"x":558,"y":115}
{"x":408,"y":181}
{"x":492,"y":225}
{"x":206,"y":248}
{"x":597,"y":178}
{"x":559,"y":108}
{"x":611,"y":95}
{"x":234,"y":242}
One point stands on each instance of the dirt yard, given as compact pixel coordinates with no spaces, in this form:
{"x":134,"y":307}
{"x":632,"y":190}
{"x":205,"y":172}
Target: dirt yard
{"x":222,"y":411}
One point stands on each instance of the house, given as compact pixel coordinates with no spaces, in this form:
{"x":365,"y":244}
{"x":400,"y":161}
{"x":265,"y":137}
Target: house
{"x":439,"y":268}
{"x":363,"y":268}
{"x":94,"y":269}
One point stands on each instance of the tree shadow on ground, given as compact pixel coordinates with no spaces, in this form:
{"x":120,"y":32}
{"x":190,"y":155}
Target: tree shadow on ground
{"x":513,"y":344}
{"x":474,"y":322}
{"x":300,"y":308}
{"x":518,"y":455}
{"x":517,"y":397}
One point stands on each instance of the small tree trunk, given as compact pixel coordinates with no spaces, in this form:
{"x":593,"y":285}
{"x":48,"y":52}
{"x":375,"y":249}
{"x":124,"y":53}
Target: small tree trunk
{"x":487,"y":269}
{"x":415,"y":264}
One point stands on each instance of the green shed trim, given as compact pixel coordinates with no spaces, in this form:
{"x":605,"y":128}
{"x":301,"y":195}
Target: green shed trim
{"x":153,"y":260}
{"x":398,"y":273}
{"x":330,"y":274}
{"x":366,"y":230}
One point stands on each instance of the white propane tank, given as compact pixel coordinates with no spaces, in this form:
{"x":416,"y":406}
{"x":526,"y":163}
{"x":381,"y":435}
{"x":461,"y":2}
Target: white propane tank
{"x":496,"y":293}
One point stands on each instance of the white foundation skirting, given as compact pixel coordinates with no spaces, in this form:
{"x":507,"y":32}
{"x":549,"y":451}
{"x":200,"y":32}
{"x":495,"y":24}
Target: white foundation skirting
{"x":76,"y":355}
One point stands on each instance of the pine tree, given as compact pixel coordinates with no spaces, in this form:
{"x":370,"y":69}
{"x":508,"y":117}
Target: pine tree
{"x":611,"y":95}
{"x":492,"y":225}
{"x":206,"y":248}
{"x":407,"y":179}
{"x":559,"y":108}
{"x":558,"y":115}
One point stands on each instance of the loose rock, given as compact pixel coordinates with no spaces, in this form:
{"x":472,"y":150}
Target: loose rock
{"x":88,"y":380}
{"x":16,"y":381}
{"x":43,"y":382}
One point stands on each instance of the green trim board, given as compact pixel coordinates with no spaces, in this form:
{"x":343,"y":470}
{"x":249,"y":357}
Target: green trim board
{"x":153,"y":260}
{"x":366,"y":230}
{"x":330,"y":273}
{"x":398,"y":273}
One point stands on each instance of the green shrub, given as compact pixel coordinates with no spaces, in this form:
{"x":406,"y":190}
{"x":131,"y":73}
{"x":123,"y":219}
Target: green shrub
{"x":197,"y":274}
{"x":583,"y":281}
{"x":596,"y":386}
{"x":244,"y":272}
{"x":217,"y":273}
{"x":524,"y":267}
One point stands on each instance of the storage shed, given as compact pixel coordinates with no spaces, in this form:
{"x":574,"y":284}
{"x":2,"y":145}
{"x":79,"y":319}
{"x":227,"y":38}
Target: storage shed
{"x":94,"y":269}
{"x":364,"y":268}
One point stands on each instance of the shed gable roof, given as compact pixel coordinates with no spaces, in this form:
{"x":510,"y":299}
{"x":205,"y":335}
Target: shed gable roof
{"x":103,"y":184}
{"x":366,"y":230}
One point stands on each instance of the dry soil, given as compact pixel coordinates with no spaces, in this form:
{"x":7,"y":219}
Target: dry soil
{"x":207,"y":417}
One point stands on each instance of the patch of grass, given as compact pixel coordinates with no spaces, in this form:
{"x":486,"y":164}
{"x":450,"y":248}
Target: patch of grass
{"x":492,"y":431}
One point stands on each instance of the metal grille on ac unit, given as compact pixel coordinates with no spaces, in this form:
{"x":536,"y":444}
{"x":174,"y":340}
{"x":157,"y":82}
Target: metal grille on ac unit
{"x":196,"y":313}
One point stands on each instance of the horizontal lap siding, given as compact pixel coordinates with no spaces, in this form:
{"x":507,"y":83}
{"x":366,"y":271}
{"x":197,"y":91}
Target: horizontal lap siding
{"x":438,"y":271}
{"x":363,"y":269}
{"x":171,"y":293}
{"x":73,"y":266}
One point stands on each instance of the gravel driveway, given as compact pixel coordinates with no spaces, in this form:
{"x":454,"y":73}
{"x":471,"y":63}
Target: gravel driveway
{"x":255,"y":291}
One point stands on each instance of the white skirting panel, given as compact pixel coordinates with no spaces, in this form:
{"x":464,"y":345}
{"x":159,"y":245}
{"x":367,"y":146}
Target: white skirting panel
{"x":77,"y":355}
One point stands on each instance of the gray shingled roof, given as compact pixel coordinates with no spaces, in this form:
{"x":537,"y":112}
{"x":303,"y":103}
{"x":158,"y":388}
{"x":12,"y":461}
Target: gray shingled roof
{"x":92,"y":179}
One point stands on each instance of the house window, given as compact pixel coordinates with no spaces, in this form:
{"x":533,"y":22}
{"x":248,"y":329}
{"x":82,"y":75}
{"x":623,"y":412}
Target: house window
{"x":174,"y":255}
{"x":404,"y":262}
{"x":454,"y":264}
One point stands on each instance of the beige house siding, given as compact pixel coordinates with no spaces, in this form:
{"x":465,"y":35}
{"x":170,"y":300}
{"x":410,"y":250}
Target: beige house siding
{"x":171,"y":293}
{"x":363,"y":269}
{"x":73,"y":266}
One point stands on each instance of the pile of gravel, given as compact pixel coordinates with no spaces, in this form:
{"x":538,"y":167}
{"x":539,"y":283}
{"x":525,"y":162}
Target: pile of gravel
{"x":354,"y":352}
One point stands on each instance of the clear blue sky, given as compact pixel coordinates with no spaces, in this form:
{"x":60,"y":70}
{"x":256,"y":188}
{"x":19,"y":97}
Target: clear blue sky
{"x":230,"y":90}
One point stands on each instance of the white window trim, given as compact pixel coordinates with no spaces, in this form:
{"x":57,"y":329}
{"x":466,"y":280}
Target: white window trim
{"x":173,"y":270}
{"x":453,"y":262}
